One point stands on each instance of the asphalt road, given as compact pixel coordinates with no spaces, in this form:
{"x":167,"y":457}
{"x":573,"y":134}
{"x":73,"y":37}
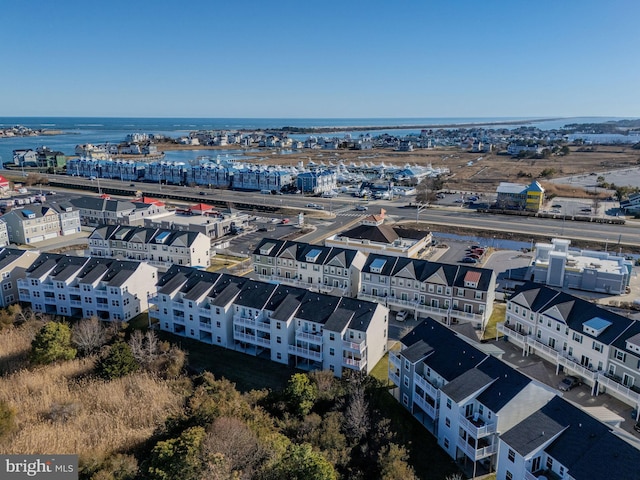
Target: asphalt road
{"x":627,"y":234}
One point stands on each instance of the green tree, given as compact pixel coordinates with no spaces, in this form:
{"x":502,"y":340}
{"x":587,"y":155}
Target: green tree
{"x":178,"y":458}
{"x":301,"y":462}
{"x":565,"y":150}
{"x":7,"y":418}
{"x":301,"y":394}
{"x":52,"y":343}
{"x":392,"y":461}
{"x":118,"y":362}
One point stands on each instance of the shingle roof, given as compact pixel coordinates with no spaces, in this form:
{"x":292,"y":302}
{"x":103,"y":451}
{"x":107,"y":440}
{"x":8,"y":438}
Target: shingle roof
{"x":466,"y":384}
{"x":417,"y":351}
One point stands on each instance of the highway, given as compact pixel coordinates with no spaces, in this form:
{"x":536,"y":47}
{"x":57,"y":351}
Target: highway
{"x":343,"y":207}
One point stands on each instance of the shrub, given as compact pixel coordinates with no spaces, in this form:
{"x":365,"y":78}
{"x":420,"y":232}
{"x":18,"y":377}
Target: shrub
{"x":118,"y":362}
{"x":52,"y":343}
{"x":7,"y":419}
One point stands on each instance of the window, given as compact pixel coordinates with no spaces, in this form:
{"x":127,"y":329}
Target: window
{"x":596,"y":346}
{"x":218,"y":324}
{"x":620,"y":355}
{"x":332,"y":336}
{"x":549,"y":463}
{"x":278,"y":339}
{"x":405,"y":399}
{"x":447,"y":422}
{"x":332,"y":351}
{"x":279,"y":356}
{"x":511,"y":455}
{"x":406,"y":364}
{"x":449,"y":403}
{"x":508,"y":475}
{"x":406,"y":381}
{"x":278,"y":325}
{"x":446,"y":443}
{"x":577,"y":337}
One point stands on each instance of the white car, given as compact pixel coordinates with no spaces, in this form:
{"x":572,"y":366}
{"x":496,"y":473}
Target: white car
{"x":402,"y":316}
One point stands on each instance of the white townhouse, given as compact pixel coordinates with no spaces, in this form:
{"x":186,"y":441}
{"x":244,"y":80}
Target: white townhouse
{"x":463,"y":396}
{"x":450,"y":293}
{"x":158,"y":247}
{"x":562,"y":441}
{"x":36,"y":223}
{"x":335,"y":271}
{"x":85,"y":287}
{"x":577,"y":336}
{"x":4,"y":233}
{"x":13,"y":265}
{"x":290,"y":325}
{"x":96,"y":211}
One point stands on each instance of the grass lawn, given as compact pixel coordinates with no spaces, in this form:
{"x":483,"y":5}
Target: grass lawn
{"x":497,"y":315}
{"x":246,"y":371}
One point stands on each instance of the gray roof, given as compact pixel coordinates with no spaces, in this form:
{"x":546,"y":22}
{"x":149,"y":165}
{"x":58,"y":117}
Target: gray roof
{"x":339,"y":320}
{"x":466,"y":384}
{"x":417,"y":351}
{"x":102,"y":204}
{"x":287,"y":308}
{"x":9,"y":255}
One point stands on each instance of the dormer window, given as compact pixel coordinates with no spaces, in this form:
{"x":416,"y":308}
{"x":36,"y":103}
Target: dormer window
{"x":377,"y":265}
{"x":313,"y":255}
{"x":595,"y":326}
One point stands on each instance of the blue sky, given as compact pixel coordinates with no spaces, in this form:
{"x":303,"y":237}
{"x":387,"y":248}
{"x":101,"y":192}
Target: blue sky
{"x":349,"y":58}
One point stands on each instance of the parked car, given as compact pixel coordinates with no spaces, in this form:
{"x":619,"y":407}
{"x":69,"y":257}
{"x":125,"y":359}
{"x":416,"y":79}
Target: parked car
{"x":473,"y":255}
{"x":568,"y":383}
{"x":311,"y":205}
{"x":361,"y":208}
{"x":469,"y":260}
{"x":402,"y":315}
{"x":556,"y":205}
{"x":285,"y":221}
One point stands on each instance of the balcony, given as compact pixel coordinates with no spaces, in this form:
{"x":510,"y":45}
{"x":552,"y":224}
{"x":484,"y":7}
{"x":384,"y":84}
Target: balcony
{"x":509,"y":331}
{"x":75,"y":303}
{"x":309,"y":336}
{"x":244,"y":321}
{"x":477,"y":453}
{"x":425,"y":406}
{"x":46,"y":287}
{"x":540,"y":347}
{"x":394,"y":359}
{"x":373,"y":298}
{"x":477,"y":428}
{"x":354,"y":347}
{"x":574,"y":365}
{"x":153,"y":299}
{"x":394,"y":377}
{"x":354,"y":362}
{"x":478,"y":317}
{"x":424,"y":384}
{"x":442,"y":312}
{"x":305,"y":352}
{"x":253,"y":339}
{"x":205,"y":326}
{"x":154,"y":313}
{"x":612,"y":384}
{"x":204,"y":311}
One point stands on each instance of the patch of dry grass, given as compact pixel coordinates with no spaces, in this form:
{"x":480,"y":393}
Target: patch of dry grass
{"x":15,"y":343}
{"x":59,"y":409}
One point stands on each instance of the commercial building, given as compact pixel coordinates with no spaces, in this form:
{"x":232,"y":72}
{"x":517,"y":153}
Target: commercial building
{"x":447,"y":292}
{"x":286,"y":324}
{"x":158,"y":247}
{"x":96,"y":211}
{"x":85,"y":287}
{"x":325,"y":269}
{"x":373,"y":236}
{"x":557,"y":265}
{"x":520,"y":197}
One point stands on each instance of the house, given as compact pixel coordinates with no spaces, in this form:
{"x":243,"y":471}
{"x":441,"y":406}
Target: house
{"x":41,"y":222}
{"x":104,"y":211}
{"x":556,"y":265}
{"x":4,"y":185}
{"x":158,"y":247}
{"x":631,"y":204}
{"x":463,"y":396}
{"x":13,"y":265}
{"x":450,"y":293}
{"x":514,"y":196}
{"x":577,"y":336}
{"x":561,"y":441}
{"x":286,"y":324}
{"x":85,"y":287}
{"x":25,"y":158}
{"x":374,"y":236}
{"x":329,"y":270}
{"x":4,"y":233}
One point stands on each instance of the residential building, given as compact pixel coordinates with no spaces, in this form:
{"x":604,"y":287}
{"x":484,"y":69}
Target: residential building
{"x":25,"y":158}
{"x":631,"y":204}
{"x":158,"y":247}
{"x":450,"y":293}
{"x":287,"y":324}
{"x":96,"y":211}
{"x":213,"y":224}
{"x":580,"y":338}
{"x":4,"y":233}
{"x":463,"y":396}
{"x":41,"y":222}
{"x":515,"y":196}
{"x":261,"y":178}
{"x":373,"y":236}
{"x":317,"y":182}
{"x":515,"y":149}
{"x":562,"y":441}
{"x":325,"y":269}
{"x":556,"y":265}
{"x":13,"y":265}
{"x":85,"y":287}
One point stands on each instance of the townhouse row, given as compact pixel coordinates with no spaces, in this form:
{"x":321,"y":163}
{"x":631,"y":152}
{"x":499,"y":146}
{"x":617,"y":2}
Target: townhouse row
{"x":580,"y":338}
{"x":282,"y":323}
{"x":450,"y":293}
{"x":489,"y":417}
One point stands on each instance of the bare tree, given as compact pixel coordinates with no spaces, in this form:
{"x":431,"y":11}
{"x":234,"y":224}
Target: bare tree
{"x":145,"y":347}
{"x":232,"y":446}
{"x":356,"y":415}
{"x":88,"y":335}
